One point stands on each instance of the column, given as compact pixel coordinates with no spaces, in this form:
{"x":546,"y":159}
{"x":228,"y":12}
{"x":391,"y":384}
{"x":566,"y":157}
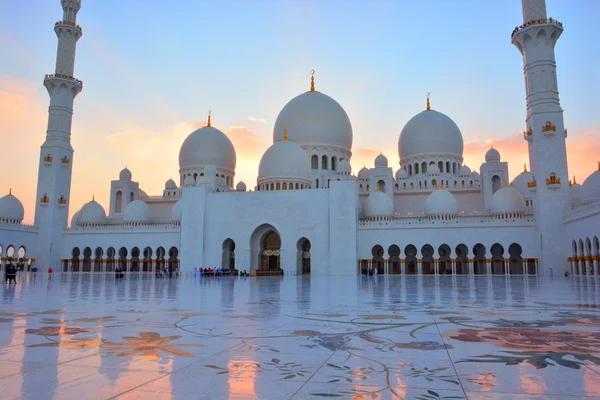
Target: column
{"x":436,"y":266}
{"x":507,"y":266}
{"x":402,"y":266}
{"x":419,"y":267}
{"x":470,"y":266}
{"x":595,"y":263}
{"x":453,"y":264}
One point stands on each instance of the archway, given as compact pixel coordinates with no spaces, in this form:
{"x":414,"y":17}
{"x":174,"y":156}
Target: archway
{"x":87,"y":260}
{"x":123,"y":259}
{"x":118,"y":202}
{"x":462,"y":259}
{"x":516,"y":261}
{"x":98,"y":253}
{"x":444,"y":265}
{"x":581,"y":258}
{"x":479,"y":263}
{"x":265,"y":249}
{"x":496,"y":183}
{"x":228,"y":255}
{"x":74,"y":259}
{"x":160,"y":258}
{"x":377,"y":252}
{"x":135,"y":260}
{"x":173,"y":261}
{"x":588,"y":254}
{"x":147,"y":263}
{"x":497,"y":259}
{"x":394,"y":253}
{"x":303,"y":256}
{"x":427,"y":260}
{"x":411,"y":259}
{"x":111,"y":253}
{"x":381,"y":185}
{"x":574,"y":246}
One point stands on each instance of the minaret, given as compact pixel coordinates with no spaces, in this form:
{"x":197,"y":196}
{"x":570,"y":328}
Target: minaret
{"x":56,"y":155}
{"x":545,"y":131}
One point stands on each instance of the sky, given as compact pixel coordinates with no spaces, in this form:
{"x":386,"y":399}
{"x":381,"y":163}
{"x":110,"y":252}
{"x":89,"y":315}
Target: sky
{"x":152,"y":69}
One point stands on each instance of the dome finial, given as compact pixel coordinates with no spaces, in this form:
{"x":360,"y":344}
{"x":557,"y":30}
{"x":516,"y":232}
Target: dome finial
{"x":285,"y":137}
{"x":312,"y":80}
{"x":208,"y":124}
{"x":428,"y":104}
{"x":598,"y":165}
{"x":93,"y":197}
{"x":10,"y":192}
{"x":525,"y":167}
{"x":574,"y":180}
{"x":505,"y":183}
{"x":139,"y":196}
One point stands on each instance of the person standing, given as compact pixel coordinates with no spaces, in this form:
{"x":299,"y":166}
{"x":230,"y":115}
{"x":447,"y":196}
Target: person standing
{"x":50,"y":272}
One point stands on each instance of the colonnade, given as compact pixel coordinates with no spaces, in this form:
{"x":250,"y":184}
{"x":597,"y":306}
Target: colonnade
{"x":587,"y":265}
{"x":530,"y":266}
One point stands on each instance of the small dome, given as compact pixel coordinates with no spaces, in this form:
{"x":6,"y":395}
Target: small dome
{"x":378,"y":204}
{"x":520,"y":183}
{"x":430,"y":133}
{"x":176,"y":211}
{"x":591,"y":187}
{"x":136,"y":211}
{"x":210,"y":170}
{"x":440,"y":202}
{"x":285,"y":160}
{"x":492,"y":155}
{"x":11,"y":208}
{"x":433,"y":169}
{"x":189,"y":181}
{"x":464,"y":170}
{"x":576,"y":194}
{"x":507,"y":200}
{"x":170,"y":185}
{"x":91,"y":213}
{"x":74,"y":219}
{"x":364,"y":174}
{"x":314,"y":119}
{"x":205,"y":146}
{"x":125,"y":174}
{"x":241,"y":186}
{"x":476,"y":176}
{"x":344,"y":167}
{"x":401,"y":174}
{"x":381,"y":161}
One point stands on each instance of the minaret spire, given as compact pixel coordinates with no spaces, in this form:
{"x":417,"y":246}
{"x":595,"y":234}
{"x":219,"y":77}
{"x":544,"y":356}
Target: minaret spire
{"x":312,"y":80}
{"x":56,"y":157}
{"x":545,"y":131}
{"x":208,"y":124}
{"x":428,"y":104}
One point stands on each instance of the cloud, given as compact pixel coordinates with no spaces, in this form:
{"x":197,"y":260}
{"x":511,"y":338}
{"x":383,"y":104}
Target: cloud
{"x":257,"y":120}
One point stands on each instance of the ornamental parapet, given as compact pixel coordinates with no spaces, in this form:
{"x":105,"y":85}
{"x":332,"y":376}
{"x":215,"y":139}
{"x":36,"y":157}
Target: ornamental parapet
{"x":542,"y":21}
{"x":69,"y":23}
{"x":63,"y":76}
{"x":455,"y":221}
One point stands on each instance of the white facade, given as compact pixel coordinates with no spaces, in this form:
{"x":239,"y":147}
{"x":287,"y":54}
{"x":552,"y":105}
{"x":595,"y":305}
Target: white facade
{"x":434,"y":215}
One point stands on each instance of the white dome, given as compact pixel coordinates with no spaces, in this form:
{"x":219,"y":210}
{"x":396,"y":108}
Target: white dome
{"x":11,"y":208}
{"x":433,"y":169}
{"x":401,"y":174}
{"x":205,"y":146}
{"x":344,"y":167}
{"x":381,"y":161}
{"x":507,"y":200}
{"x":285,"y":160}
{"x":176,"y":211}
{"x":464,"y":170}
{"x":189,"y":181}
{"x":430,"y":133}
{"x":314,"y":118}
{"x":91,"y":213}
{"x":591,"y":187}
{"x":74,"y":219}
{"x":170,"y":185}
{"x":210,"y":170}
{"x":440,"y":202}
{"x":136,"y":211}
{"x":492,"y":155}
{"x":520,"y":183}
{"x":125,"y":174}
{"x":576,"y":195}
{"x":378,"y":204}
{"x":240,"y":187}
{"x":364,"y":174}
{"x":476,"y":175}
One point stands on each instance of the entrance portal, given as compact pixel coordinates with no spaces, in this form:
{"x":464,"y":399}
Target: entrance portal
{"x":304,"y":256}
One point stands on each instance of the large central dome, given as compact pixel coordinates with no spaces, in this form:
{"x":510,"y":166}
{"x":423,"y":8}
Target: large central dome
{"x":205,"y":146}
{"x":313,"y":118}
{"x":430,"y":133}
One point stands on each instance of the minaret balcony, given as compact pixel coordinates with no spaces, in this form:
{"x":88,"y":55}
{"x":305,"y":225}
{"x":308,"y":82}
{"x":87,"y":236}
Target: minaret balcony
{"x":65,"y":77}
{"x":69,"y":23}
{"x":553,"y":182}
{"x":543,"y":21}
{"x":48,"y":160}
{"x":532,"y":185}
{"x":44,"y":200}
{"x":528,"y":134}
{"x":65,"y":162}
{"x":549,"y":129}
{"x":62,"y":202}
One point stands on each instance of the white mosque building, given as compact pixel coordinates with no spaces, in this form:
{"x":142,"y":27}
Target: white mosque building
{"x":308,"y":212}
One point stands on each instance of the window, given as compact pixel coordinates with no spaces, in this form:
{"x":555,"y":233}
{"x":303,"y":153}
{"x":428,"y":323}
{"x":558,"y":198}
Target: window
{"x":381,"y":186}
{"x":314,"y":162}
{"x":441,"y":166}
{"x":118,"y":201}
{"x":416,"y":169}
{"x":333,"y":163}
{"x":284,"y":186}
{"x":131,"y":198}
{"x":424,"y":168}
{"x":324,"y":162}
{"x":277,"y":186}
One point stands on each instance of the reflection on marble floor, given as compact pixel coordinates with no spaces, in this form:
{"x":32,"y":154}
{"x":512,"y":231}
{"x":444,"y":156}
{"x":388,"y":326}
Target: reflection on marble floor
{"x":385,"y":337}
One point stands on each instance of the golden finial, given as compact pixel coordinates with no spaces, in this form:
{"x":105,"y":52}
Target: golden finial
{"x":10,"y":192}
{"x":574,"y":180}
{"x":312,"y":80}
{"x":598,"y":165}
{"x":285,"y":138}
{"x":93,"y":198}
{"x":139,"y":196}
{"x":208,"y":124}
{"x":505,"y":183}
{"x":524,"y":167}
{"x":428,"y":104}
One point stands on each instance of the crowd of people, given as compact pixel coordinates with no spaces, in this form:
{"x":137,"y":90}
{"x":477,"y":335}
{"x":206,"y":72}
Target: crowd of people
{"x":218,"y":272}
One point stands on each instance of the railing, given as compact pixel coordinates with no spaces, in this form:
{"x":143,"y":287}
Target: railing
{"x":454,"y":220}
{"x":63,"y":76}
{"x":172,"y":226}
{"x":542,"y":21}
{"x":16,"y":225}
{"x":68,"y":23}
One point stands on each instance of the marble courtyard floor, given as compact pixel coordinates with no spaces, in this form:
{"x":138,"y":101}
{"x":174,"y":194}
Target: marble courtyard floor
{"x":89,"y":337}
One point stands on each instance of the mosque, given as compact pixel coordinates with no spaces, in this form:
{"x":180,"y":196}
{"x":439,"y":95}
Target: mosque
{"x":308,"y":212}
